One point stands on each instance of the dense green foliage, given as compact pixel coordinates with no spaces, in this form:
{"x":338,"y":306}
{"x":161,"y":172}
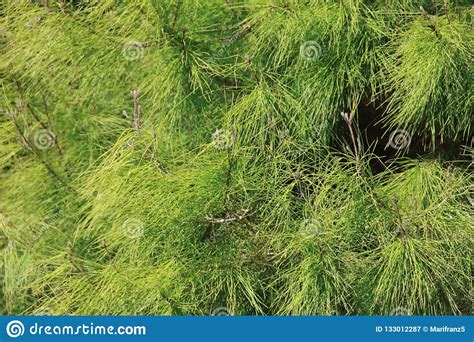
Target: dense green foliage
{"x":186,"y":157}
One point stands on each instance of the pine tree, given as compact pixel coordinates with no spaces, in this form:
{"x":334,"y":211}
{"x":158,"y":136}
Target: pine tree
{"x":185,"y":157}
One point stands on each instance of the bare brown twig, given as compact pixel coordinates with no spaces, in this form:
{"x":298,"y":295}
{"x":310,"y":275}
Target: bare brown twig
{"x":348,"y":119}
{"x":237,"y":217}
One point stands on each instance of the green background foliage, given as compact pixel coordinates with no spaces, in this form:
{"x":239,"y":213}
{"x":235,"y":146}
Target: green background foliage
{"x":177,"y":157}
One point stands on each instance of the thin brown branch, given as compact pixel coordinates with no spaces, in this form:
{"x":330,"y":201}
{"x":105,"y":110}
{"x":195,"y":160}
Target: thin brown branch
{"x":176,"y":14}
{"x":237,"y":217}
{"x":348,"y":120}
